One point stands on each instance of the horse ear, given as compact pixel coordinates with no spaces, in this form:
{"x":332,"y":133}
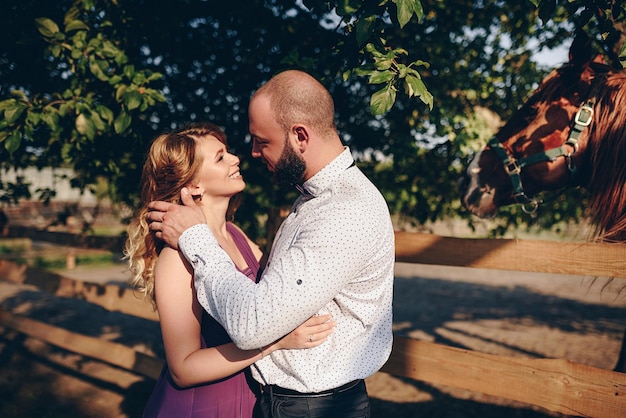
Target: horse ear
{"x":581,"y":49}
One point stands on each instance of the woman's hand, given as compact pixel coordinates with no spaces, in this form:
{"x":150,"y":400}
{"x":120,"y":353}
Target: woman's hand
{"x":311,"y":333}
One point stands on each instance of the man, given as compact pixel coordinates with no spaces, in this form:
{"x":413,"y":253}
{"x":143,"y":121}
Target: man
{"x":334,"y":254}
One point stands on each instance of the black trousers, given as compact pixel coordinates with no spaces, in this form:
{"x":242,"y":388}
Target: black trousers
{"x":348,"y":401}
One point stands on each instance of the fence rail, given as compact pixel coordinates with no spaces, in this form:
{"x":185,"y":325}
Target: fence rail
{"x":554,"y":384}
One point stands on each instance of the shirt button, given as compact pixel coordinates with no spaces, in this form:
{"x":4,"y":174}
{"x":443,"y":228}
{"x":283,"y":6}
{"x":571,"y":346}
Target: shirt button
{"x":299,"y":282}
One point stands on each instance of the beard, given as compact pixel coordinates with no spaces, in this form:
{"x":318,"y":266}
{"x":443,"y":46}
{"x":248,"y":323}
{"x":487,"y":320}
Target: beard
{"x":290,"y":168}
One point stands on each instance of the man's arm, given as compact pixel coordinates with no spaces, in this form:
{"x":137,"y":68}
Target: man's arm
{"x":295,"y":286}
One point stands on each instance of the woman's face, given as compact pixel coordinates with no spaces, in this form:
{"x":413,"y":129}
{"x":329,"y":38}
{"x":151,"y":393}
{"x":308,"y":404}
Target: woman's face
{"x":219,"y":174}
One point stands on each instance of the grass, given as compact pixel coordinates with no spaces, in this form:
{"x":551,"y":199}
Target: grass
{"x":57,"y":263}
{"x":15,"y":245}
{"x":22,"y":251}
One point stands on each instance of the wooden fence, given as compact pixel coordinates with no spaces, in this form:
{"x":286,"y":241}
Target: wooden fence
{"x":554,"y":384}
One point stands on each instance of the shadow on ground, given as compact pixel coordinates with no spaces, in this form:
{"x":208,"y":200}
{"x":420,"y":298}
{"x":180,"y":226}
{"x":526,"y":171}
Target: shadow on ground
{"x":31,"y":385}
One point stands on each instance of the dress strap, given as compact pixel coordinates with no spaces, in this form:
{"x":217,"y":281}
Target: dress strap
{"x":242,"y":244}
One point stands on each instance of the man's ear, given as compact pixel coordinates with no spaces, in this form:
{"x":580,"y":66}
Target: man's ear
{"x":302,"y":136}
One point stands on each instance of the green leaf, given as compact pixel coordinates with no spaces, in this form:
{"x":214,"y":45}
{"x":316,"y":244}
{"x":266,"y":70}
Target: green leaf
{"x":33,"y":118}
{"x":65,"y":108}
{"x":364,"y":28}
{"x":371,"y":48}
{"x":121,"y":59}
{"x":5,"y":104}
{"x":122,"y":122}
{"x":382,"y":100}
{"x":95,"y":66}
{"x":406,"y":9}
{"x":133,"y":99}
{"x":156,"y":95}
{"x":105,"y":113}
{"x":19,"y":94}
{"x":418,"y":9}
{"x":415,"y":87}
{"x":421,"y":63}
{"x":120,"y":91}
{"x":12,"y":114}
{"x":383,"y":63}
{"x":129,"y":71}
{"x":97,"y":122}
{"x":84,"y":125}
{"x":55,"y":50}
{"x":51,"y":119}
{"x":12,"y":143}
{"x":76,"y":53}
{"x":347,"y":7}
{"x":378,"y":77}
{"x":76,"y":25}
{"x":154,"y":77}
{"x":46,"y":27}
{"x":139,"y":78}
{"x":412,"y":85}
{"x":116,"y":79}
{"x":109,"y":50}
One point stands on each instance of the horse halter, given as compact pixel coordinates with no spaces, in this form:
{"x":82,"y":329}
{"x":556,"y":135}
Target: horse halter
{"x":513,"y":166}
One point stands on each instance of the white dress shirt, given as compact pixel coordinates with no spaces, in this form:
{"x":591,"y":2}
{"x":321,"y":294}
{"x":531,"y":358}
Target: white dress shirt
{"x":334,"y":253}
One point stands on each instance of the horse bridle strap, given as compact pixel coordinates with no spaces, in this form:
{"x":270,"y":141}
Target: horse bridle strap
{"x":513,"y":166}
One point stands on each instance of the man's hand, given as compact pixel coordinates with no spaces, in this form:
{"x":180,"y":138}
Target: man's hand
{"x":169,"y":220}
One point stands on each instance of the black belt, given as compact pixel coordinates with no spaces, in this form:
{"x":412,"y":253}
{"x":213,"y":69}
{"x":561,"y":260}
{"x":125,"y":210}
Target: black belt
{"x":277,"y":390}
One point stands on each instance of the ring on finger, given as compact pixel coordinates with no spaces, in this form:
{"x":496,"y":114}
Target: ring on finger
{"x":310,"y":338}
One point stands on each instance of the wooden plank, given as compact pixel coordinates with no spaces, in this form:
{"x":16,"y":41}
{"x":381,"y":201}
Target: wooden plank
{"x":577,"y":258}
{"x":582,"y":259}
{"x":114,"y":244}
{"x":556,"y":385}
{"x":112,"y":353}
{"x":109,"y":296}
{"x":79,"y":365}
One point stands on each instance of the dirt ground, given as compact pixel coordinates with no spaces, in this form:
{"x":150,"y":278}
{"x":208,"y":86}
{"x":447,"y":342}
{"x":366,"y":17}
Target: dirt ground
{"x":509,"y":313}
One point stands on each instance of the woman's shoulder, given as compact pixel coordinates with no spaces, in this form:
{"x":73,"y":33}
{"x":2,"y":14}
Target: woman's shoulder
{"x":171,"y":258}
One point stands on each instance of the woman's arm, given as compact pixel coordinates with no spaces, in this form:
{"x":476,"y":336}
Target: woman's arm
{"x":180,"y":315}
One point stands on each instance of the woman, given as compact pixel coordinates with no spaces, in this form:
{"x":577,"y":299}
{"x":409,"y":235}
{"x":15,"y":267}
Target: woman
{"x":197,"y":348}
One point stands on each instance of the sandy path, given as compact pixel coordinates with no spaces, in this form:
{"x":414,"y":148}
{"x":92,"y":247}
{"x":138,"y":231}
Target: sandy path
{"x":509,"y":313}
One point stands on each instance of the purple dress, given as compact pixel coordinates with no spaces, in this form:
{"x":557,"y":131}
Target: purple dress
{"x":226,"y":398}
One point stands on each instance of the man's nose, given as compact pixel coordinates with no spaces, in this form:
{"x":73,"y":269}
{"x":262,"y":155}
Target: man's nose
{"x":255,"y":150}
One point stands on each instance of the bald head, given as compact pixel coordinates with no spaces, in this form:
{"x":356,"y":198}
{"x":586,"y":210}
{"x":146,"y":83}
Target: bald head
{"x":297,"y":97}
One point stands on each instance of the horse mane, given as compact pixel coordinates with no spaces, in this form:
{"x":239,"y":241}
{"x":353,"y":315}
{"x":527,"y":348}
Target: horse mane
{"x":607,"y":150}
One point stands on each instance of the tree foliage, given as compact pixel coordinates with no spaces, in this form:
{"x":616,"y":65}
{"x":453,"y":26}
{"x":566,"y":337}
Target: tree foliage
{"x":87,"y":84}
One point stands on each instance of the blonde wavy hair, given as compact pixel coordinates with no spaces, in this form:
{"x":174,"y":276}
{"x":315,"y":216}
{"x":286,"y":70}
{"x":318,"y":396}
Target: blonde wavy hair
{"x":171,"y":164}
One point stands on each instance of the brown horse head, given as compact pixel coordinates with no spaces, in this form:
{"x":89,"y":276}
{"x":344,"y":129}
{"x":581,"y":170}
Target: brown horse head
{"x":570,"y":132}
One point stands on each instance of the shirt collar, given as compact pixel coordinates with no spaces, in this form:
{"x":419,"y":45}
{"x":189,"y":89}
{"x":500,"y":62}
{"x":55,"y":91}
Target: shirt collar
{"x":324,"y":178}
